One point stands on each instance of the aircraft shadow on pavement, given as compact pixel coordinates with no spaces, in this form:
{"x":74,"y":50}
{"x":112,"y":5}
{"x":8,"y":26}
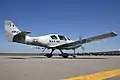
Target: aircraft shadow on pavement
{"x":15,"y":58}
{"x":70,"y":58}
{"x":40,"y":57}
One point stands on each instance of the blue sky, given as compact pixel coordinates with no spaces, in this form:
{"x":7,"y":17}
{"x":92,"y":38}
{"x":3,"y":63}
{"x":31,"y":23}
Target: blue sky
{"x":72,"y":18}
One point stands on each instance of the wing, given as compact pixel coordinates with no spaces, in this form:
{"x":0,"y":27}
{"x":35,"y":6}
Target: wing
{"x":99,"y":37}
{"x":78,"y":43}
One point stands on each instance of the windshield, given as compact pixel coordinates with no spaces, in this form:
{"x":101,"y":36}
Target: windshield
{"x":68,"y":38}
{"x":62,"y":37}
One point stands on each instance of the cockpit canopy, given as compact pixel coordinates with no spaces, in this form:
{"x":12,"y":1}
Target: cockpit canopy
{"x":62,"y":37}
{"x":53,"y":37}
{"x":59,"y":37}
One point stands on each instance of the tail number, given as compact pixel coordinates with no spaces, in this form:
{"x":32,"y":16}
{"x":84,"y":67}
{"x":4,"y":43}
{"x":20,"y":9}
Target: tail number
{"x":15,"y":31}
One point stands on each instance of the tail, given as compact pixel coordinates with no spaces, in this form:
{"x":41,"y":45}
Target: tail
{"x":13,"y":34}
{"x":11,"y":30}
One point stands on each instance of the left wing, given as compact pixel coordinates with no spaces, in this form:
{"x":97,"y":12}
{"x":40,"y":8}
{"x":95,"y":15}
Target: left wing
{"x":99,"y":37}
{"x":78,"y":43}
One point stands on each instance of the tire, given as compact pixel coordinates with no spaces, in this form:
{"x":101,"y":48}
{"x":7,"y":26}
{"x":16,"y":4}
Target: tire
{"x":65,"y":55}
{"x":49,"y":55}
{"x":74,"y":56}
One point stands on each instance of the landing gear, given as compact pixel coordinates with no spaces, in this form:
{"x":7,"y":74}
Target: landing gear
{"x":74,"y":54}
{"x":50,"y":55}
{"x":64,"y":55}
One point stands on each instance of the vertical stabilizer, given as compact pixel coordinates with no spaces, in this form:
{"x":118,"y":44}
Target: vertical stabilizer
{"x":11,"y":30}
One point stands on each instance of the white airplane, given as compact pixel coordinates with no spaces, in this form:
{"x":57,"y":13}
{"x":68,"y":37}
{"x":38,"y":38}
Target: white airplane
{"x":51,"y":41}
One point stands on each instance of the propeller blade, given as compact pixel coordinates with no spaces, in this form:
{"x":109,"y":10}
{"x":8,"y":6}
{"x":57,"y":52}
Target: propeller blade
{"x":83,"y":48}
{"x":80,"y":39}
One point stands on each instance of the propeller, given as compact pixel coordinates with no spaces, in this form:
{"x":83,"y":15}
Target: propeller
{"x":82,"y":47}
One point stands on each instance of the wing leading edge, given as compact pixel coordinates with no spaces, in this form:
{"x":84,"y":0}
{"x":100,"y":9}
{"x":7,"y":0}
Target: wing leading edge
{"x":78,"y":43}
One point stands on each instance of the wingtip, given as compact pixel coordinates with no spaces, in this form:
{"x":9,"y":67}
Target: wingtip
{"x":115,"y":33}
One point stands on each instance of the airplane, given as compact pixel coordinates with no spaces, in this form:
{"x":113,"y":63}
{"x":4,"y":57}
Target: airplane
{"x":50,"y":41}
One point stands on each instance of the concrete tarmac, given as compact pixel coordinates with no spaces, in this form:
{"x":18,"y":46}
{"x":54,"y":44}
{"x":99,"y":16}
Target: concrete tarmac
{"x":56,"y":68}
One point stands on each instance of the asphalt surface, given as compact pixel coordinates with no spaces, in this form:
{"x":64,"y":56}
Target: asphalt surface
{"x":56,"y":68}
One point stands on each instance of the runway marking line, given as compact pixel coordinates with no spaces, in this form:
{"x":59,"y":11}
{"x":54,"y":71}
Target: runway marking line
{"x":98,"y":76}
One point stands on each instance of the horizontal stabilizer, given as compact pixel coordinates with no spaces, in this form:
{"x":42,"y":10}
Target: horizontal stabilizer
{"x":24,"y":33}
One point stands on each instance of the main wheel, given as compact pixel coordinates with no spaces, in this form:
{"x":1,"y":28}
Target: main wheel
{"x":65,"y":55}
{"x":74,"y":56}
{"x":48,"y":55}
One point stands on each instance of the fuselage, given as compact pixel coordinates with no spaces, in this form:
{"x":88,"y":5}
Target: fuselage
{"x":50,"y":41}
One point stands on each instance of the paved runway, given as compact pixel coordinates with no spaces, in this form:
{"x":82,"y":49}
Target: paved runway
{"x":56,"y":68}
